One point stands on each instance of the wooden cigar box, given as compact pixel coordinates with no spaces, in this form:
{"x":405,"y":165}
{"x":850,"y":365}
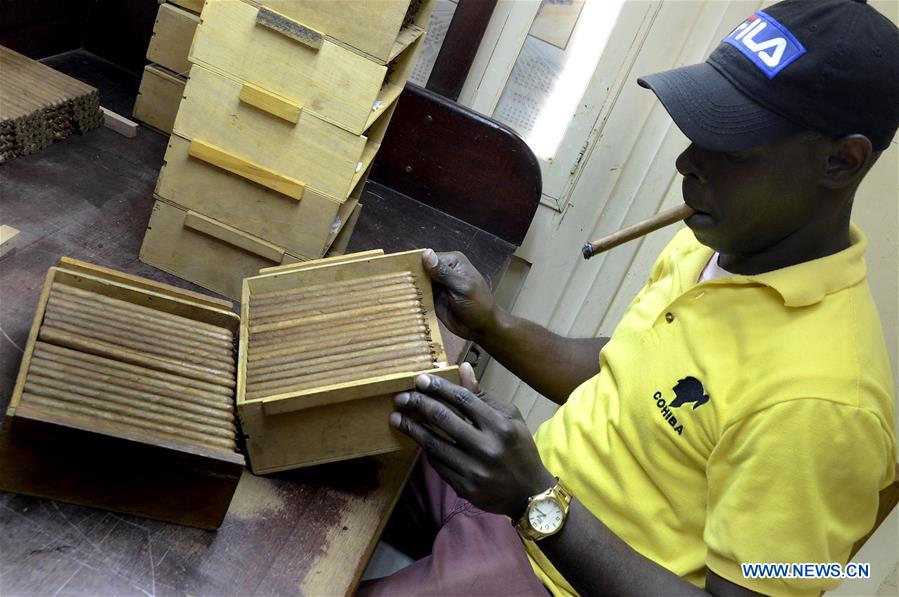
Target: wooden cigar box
{"x":124,"y":399}
{"x":244,"y":129}
{"x":370,"y":28}
{"x":324,"y":347}
{"x":158,"y":98}
{"x":304,"y":228}
{"x":172,"y":33}
{"x":327,"y":79}
{"x":217,"y":256}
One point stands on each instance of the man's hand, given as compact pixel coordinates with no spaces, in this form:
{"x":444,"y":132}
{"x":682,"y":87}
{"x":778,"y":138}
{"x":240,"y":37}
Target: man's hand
{"x":549,"y":363}
{"x":462,"y":298}
{"x":486,"y":453}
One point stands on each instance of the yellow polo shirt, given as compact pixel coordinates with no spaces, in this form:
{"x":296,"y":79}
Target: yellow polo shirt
{"x":744,"y":419}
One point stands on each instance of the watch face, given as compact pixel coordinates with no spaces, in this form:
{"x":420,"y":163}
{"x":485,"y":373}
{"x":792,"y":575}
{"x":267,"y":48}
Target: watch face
{"x":545,"y":515}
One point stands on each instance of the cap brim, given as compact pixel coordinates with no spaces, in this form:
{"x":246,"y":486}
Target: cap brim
{"x":712,"y":112}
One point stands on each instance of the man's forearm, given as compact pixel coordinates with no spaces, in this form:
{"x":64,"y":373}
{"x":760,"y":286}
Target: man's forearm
{"x":595,"y":561}
{"x":551,"y":364}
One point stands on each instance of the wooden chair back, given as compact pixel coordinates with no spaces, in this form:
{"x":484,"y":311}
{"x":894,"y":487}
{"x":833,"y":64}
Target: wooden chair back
{"x":460,"y":162}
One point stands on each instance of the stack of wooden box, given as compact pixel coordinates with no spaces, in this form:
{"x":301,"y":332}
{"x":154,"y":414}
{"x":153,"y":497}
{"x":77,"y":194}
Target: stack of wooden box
{"x":286,"y":106}
{"x":163,"y":82}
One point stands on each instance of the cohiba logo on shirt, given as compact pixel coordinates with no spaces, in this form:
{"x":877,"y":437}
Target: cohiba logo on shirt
{"x":688,"y":390}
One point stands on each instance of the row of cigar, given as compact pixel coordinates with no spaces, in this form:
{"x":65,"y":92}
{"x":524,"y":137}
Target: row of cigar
{"x":335,"y":333}
{"x":134,"y":367}
{"x":39,"y":105}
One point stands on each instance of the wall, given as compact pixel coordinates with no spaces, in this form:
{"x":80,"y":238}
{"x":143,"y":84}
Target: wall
{"x":116,"y":30}
{"x":120,"y":31}
{"x":41,"y":28}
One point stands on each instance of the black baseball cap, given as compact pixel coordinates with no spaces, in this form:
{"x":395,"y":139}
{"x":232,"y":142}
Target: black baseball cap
{"x":830,"y":66}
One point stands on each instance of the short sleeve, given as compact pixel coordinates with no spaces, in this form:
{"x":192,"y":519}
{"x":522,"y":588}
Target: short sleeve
{"x":797,"y":482}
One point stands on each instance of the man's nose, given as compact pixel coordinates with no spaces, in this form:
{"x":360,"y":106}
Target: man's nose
{"x":686,"y":163}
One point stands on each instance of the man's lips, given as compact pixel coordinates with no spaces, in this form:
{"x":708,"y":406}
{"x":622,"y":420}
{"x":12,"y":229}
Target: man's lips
{"x":689,"y":192}
{"x":700,"y":220}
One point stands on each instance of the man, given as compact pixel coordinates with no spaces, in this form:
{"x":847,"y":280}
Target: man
{"x":742,"y":410}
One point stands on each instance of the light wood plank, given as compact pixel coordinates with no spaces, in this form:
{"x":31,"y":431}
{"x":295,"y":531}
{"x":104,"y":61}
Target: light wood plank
{"x":325,"y":261}
{"x":392,"y":383}
{"x":8,"y":236}
{"x":217,"y":322}
{"x":243,"y":167}
{"x":232,"y":236}
{"x":76,"y":265}
{"x":119,"y":124}
{"x":269,"y":102}
{"x":28,"y":354}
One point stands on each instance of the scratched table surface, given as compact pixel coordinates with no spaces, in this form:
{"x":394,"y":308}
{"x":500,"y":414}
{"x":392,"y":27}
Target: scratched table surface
{"x":310,"y":531}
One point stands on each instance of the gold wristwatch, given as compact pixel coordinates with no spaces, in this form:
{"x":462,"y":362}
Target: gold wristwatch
{"x":545,"y":513}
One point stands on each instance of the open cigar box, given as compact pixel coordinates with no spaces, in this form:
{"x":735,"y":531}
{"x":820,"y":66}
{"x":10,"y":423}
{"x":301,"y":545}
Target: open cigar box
{"x":324,"y":346}
{"x":125,"y":398}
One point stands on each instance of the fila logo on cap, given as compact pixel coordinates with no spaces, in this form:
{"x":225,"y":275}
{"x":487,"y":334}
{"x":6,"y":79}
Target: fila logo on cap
{"x":768,"y":44}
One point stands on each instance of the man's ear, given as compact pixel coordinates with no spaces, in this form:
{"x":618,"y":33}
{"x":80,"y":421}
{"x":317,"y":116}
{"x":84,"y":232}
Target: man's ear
{"x":848,"y":160}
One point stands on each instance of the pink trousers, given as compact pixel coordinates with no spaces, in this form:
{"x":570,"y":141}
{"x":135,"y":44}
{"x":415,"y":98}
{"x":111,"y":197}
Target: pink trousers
{"x":474,"y":553}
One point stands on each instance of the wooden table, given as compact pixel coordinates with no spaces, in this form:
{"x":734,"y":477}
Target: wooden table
{"x":310,"y":531}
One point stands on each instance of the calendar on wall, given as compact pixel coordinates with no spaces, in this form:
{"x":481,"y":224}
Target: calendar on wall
{"x":540,"y":64}
{"x":440,"y":21}
{"x":532,"y":80}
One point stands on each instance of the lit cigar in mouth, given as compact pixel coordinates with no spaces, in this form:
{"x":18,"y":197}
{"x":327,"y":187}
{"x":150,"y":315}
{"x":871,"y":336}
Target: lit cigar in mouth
{"x":660,"y":220}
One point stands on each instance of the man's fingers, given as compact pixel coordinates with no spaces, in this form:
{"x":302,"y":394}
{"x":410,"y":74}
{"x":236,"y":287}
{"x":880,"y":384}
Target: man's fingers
{"x":429,"y":259}
{"x":469,"y":381}
{"x":482,"y":407}
{"x":437,"y":448}
{"x":431,"y":262}
{"x":467,"y":402}
{"x":451,"y":476}
{"x":425,"y":409}
{"x":442,"y":267}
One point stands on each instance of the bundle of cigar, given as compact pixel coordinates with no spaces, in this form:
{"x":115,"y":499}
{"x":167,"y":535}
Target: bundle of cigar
{"x":39,"y":105}
{"x":134,"y":368}
{"x":335,"y":333}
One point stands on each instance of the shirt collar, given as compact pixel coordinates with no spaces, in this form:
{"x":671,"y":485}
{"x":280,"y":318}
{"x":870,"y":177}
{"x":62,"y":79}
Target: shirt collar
{"x":807,"y":283}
